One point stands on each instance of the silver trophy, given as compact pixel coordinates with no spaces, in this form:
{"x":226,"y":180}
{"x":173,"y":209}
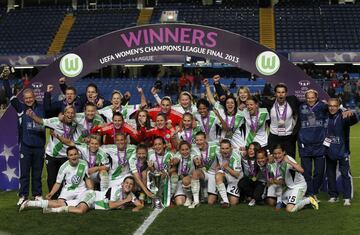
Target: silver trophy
{"x":154,"y":185}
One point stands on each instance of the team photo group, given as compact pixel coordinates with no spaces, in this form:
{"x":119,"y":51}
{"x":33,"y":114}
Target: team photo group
{"x":221,"y":149}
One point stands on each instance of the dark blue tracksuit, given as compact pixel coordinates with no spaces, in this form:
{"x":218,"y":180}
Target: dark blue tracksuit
{"x":52,"y":109}
{"x":337,"y":132}
{"x":311,"y":136}
{"x":32,"y":142}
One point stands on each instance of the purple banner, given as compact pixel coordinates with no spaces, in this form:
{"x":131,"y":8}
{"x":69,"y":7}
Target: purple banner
{"x":160,"y":40}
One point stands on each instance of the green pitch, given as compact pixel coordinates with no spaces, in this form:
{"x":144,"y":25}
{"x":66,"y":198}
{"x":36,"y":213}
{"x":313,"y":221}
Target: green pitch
{"x":330,"y":219}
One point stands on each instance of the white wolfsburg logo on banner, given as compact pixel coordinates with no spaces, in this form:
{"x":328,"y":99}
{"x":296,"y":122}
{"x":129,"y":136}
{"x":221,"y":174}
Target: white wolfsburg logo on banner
{"x":71,"y":65}
{"x":267,"y":63}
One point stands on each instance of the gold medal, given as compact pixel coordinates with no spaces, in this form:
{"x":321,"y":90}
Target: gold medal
{"x":253,"y":178}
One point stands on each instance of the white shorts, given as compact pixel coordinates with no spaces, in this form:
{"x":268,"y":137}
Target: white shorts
{"x":232,"y":185}
{"x":293,"y":196}
{"x":211,"y":183}
{"x":274,"y":190}
{"x":71,"y":194}
{"x":118,"y":181}
{"x":179,"y":189}
{"x":87,"y":197}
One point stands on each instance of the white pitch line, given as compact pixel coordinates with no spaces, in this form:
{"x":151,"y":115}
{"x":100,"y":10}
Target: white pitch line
{"x":141,"y":230}
{"x":356,"y":177}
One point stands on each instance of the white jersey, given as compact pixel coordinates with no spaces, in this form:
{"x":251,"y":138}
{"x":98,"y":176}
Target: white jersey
{"x":93,"y":159}
{"x":136,"y":166}
{"x":256,"y":127}
{"x":208,"y":157}
{"x":161,"y":163}
{"x":293,"y":179}
{"x":282,"y":122}
{"x":73,"y":132}
{"x":234,"y":162}
{"x":119,"y":160}
{"x":126,"y":110}
{"x":208,"y":125}
{"x":233,"y":122}
{"x":186,"y":165}
{"x":188,"y":135}
{"x":87,"y":125}
{"x":73,"y":176}
{"x":182,"y":110}
{"x":113,"y":194}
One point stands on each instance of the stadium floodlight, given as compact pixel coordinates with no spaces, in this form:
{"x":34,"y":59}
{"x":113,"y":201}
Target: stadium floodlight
{"x":324,"y":64}
{"x":24,"y":67}
{"x":172,"y":65}
{"x":169,"y":16}
{"x":134,"y":65}
{"x":356,"y":64}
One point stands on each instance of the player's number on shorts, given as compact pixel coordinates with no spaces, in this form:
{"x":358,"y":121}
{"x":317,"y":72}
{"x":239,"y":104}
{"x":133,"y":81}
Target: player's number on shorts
{"x":234,"y":190}
{"x":292,"y":199}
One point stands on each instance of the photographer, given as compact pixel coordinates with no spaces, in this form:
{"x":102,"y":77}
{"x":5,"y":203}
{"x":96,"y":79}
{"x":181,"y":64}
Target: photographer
{"x":31,"y":140}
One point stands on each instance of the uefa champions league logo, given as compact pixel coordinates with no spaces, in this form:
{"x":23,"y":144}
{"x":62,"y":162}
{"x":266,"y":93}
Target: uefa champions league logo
{"x":71,"y":65}
{"x":267,"y":63}
{"x":75,"y":179}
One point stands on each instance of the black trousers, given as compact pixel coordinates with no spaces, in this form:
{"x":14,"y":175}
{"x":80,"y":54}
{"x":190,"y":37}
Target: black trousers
{"x":52,"y":167}
{"x":31,"y":165}
{"x":253,"y":189}
{"x":288,"y":142}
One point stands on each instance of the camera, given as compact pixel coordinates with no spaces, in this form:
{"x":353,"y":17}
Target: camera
{"x":3,"y":66}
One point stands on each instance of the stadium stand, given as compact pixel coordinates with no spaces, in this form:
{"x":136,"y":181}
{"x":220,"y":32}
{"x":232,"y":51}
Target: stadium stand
{"x":243,"y":20}
{"x":328,"y":27}
{"x":92,"y":23}
{"x":29,"y":30}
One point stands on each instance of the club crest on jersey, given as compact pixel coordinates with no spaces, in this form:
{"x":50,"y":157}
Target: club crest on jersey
{"x":75,"y":179}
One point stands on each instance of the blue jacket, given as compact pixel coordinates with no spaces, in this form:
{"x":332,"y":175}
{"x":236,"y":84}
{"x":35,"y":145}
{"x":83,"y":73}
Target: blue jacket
{"x":52,"y":109}
{"x":338,"y":132}
{"x":30,"y":133}
{"x":311,"y":134}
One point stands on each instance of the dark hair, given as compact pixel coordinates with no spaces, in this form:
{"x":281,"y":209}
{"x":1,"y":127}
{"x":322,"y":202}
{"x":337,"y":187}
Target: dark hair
{"x":257,"y":146}
{"x":225,"y":141}
{"x":280,"y":85}
{"x":203,"y":102}
{"x":70,"y":88}
{"x":129,"y":177}
{"x":184,"y":142}
{"x":147,"y":122}
{"x":92,"y":85}
{"x":162,"y":115}
{"x":71,"y":148}
{"x":90,"y":104}
{"x":188,"y":114}
{"x":118,"y":114}
{"x":141,"y":146}
{"x":279,"y":146}
{"x":201,"y":133}
{"x":253,"y":98}
{"x":236,"y":105}
{"x":261,"y":151}
{"x":160,"y":138}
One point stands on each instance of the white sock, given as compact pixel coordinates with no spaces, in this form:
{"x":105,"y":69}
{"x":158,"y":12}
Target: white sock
{"x":173,"y":180}
{"x":187,"y":190}
{"x":222,"y":191}
{"x":41,"y":203}
{"x":60,"y":209}
{"x":301,"y":204}
{"x":104,"y":181}
{"x":195,"y":189}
